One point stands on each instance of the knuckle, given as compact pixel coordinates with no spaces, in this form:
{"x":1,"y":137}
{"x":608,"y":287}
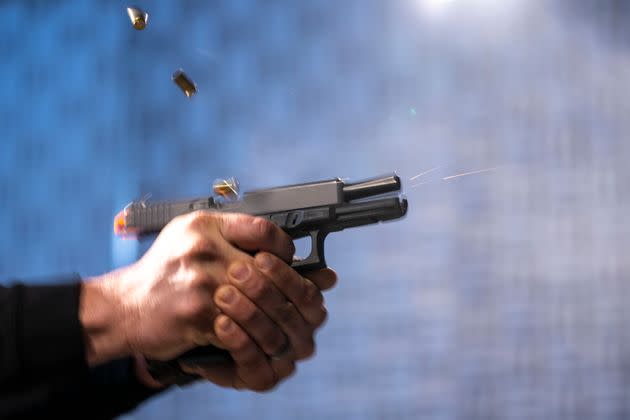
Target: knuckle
{"x":267,"y":383}
{"x":272,"y":264}
{"x":194,"y":222}
{"x":198,"y":281}
{"x":250,"y":316}
{"x":309,"y":349}
{"x":285,"y":313}
{"x":194,"y":309}
{"x":177,"y":265}
{"x":277,"y":343}
{"x":229,"y":222}
{"x":234,"y":218}
{"x":310,"y":293}
{"x":322,"y":316}
{"x":197,"y":278}
{"x":286,"y":369}
{"x":258,"y":289}
{"x":289,"y":369}
{"x":251,"y":364}
{"x":207,"y":245}
{"x":241,"y":342}
{"x":200,"y":244}
{"x":199,"y":220}
{"x":266,"y":229}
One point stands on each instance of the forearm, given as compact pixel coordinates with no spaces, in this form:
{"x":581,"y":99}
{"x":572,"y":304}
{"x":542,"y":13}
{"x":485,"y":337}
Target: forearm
{"x":104,"y":316}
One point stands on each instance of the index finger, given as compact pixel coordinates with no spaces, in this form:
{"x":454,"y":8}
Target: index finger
{"x":254,"y":234}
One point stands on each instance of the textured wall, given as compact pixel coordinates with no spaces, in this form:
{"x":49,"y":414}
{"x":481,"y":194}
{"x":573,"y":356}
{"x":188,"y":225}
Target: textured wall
{"x":502,"y":295}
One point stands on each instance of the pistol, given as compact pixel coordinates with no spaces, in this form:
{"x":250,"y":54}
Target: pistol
{"x":309,"y":210}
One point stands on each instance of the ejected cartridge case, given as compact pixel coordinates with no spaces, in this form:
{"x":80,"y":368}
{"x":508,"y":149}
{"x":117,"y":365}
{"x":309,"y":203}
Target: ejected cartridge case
{"x":227,"y":188}
{"x":139,"y":18}
{"x":184,"y":82}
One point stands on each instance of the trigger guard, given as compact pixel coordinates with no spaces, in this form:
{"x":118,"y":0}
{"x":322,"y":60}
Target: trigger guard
{"x":315,"y":259}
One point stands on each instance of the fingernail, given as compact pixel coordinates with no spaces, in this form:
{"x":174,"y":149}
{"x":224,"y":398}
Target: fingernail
{"x":226,"y":324}
{"x":263,"y":261}
{"x":227,"y":295}
{"x":240,"y":271}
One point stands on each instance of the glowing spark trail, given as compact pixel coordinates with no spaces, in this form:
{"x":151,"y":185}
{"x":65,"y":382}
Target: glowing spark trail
{"x":417,"y":185}
{"x":423,"y":173}
{"x":468,"y":173}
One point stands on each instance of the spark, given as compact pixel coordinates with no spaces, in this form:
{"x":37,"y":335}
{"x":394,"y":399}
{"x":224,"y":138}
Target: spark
{"x":468,"y":173}
{"x":418,"y":184}
{"x":144,"y":199}
{"x":423,"y":173}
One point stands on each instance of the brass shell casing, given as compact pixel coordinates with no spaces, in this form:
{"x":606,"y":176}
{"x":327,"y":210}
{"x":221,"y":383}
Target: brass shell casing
{"x":184,"y":82}
{"x":139,"y":18}
{"x":227,"y":188}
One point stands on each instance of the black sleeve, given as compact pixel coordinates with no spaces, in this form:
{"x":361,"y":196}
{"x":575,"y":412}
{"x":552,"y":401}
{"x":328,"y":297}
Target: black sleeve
{"x":43,"y":368}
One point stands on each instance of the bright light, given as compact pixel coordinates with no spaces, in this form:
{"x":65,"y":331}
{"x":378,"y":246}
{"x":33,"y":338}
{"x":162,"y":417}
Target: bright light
{"x":435,"y":7}
{"x":439,"y":8}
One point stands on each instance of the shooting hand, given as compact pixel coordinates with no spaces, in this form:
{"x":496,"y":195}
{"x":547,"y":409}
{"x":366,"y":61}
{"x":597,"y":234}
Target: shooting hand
{"x":199,"y":284}
{"x":164,"y":304}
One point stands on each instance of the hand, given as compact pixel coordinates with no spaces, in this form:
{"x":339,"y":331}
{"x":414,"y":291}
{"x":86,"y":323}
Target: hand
{"x":164,"y":304}
{"x":293,"y":302}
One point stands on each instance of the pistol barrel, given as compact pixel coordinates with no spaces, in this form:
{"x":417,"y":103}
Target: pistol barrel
{"x":371,"y":187}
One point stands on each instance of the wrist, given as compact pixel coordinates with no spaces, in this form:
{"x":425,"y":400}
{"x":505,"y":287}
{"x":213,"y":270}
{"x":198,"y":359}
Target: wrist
{"x":102,"y":319}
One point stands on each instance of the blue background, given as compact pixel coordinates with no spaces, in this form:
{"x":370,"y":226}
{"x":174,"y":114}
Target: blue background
{"x":502,"y":295}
